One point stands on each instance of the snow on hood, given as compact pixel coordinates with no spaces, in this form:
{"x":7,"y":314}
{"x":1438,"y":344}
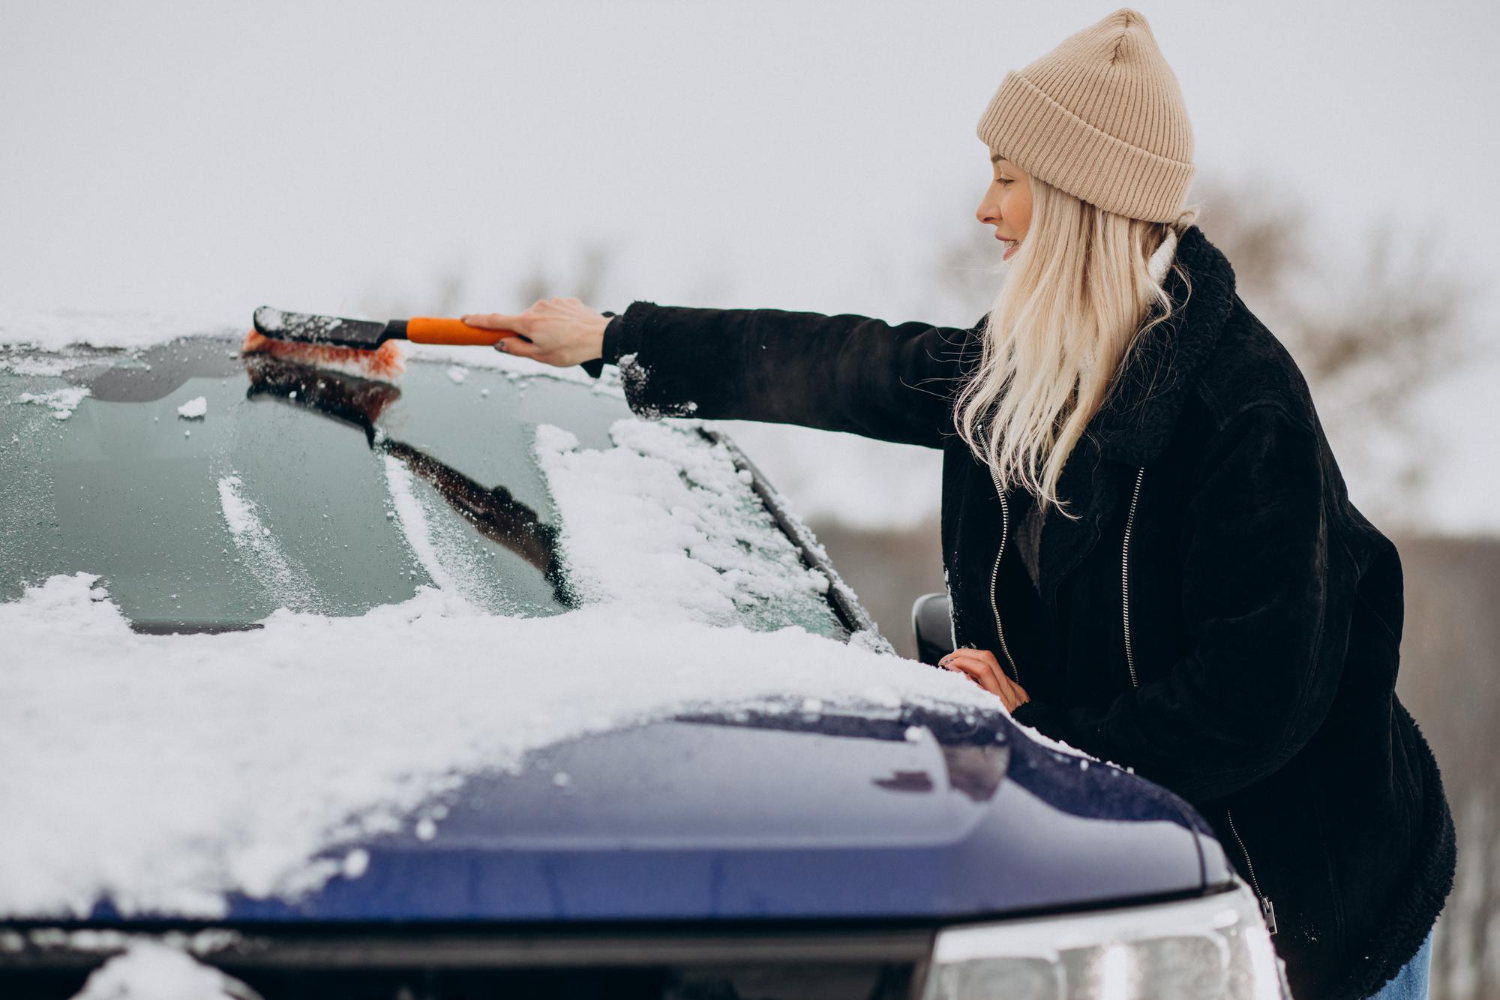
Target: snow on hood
{"x":166,"y":771}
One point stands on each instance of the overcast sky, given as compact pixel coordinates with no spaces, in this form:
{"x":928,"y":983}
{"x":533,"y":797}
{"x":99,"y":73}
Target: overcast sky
{"x":204,"y":159}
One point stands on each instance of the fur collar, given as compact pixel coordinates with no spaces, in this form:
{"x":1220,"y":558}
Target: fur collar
{"x":1136,"y":419}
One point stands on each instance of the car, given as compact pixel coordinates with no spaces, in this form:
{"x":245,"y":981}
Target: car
{"x":473,"y":683}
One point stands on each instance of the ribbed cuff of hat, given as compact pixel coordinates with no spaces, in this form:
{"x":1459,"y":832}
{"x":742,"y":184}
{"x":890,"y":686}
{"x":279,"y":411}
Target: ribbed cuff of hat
{"x":1047,"y":140}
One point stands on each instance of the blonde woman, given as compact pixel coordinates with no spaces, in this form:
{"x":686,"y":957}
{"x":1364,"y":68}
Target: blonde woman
{"x":1150,"y":551}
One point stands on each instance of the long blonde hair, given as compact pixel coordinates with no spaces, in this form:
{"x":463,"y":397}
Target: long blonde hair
{"x":1058,"y":335}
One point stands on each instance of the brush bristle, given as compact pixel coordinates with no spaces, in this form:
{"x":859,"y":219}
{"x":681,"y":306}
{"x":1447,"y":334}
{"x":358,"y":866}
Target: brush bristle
{"x":385,"y":363}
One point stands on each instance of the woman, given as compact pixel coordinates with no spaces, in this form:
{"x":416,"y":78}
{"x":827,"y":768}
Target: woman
{"x":1150,"y":551}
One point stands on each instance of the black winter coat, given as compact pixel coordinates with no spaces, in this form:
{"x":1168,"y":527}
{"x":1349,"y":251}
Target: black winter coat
{"x":1256,"y":675}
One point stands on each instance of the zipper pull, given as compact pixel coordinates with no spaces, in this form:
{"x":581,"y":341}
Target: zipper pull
{"x":1268,"y":911}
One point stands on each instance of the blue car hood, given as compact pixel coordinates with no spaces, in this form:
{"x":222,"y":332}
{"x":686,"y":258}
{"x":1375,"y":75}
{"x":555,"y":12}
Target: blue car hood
{"x":779,"y":817}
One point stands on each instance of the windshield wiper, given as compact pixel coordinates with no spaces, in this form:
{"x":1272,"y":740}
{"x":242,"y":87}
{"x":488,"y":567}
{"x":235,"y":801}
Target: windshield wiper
{"x":359,"y":402}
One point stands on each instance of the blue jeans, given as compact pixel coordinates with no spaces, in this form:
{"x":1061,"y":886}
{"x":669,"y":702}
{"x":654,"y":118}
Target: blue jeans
{"x":1411,"y":981}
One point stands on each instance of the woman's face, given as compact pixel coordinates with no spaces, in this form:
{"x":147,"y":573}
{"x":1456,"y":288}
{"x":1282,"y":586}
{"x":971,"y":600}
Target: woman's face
{"x":1007,"y":203}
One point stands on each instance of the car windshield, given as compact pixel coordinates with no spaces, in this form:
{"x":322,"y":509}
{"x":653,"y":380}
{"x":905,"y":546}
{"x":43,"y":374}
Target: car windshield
{"x":206,"y":490}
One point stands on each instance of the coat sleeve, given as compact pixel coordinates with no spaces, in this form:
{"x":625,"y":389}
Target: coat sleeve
{"x":1257,"y":681}
{"x":839,"y":373}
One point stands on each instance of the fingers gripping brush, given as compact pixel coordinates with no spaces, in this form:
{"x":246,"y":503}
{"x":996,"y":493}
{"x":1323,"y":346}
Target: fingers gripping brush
{"x":356,"y":346}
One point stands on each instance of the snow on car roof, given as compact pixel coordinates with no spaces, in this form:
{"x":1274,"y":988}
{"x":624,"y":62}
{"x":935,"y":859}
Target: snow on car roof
{"x":74,"y":336}
{"x":61,"y":329}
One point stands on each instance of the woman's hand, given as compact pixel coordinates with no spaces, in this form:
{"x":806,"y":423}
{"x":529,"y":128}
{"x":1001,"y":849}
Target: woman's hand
{"x":981,"y":667}
{"x":557,"y":332}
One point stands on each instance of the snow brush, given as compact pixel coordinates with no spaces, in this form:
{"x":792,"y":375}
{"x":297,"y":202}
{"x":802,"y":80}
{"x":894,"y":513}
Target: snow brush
{"x":356,"y":346}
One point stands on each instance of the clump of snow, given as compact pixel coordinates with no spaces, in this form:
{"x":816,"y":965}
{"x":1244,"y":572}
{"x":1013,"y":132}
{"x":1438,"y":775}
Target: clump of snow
{"x":664,"y":520}
{"x":552,"y":439}
{"x":270,"y":318}
{"x":194,"y":409}
{"x":355,"y":863}
{"x":166,"y":771}
{"x":457,"y":374}
{"x":239,"y":513}
{"x":61,"y":401}
{"x":286,"y":581}
{"x":634,"y":375}
{"x":150,"y":970}
{"x":21,"y":360}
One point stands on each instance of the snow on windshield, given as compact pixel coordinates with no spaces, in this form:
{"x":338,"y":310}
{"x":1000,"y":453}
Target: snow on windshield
{"x":666,"y":519}
{"x":437,"y":541}
{"x":282,"y":577}
{"x":166,"y":771}
{"x":62,"y":402}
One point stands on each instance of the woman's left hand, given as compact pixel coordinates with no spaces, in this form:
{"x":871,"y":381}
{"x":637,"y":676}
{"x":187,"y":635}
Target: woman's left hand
{"x":981,"y":667}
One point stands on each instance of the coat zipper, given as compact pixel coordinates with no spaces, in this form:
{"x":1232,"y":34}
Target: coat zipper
{"x":995,"y":574}
{"x":1267,"y":909}
{"x":1135,"y":498}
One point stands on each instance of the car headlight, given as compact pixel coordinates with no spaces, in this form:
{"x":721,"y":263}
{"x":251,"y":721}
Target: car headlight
{"x":1216,"y":946}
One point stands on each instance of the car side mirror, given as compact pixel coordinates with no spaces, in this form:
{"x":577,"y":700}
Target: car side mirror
{"x":932,"y":621}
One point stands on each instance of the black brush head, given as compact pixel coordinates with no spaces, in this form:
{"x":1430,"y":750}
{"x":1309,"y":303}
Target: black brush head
{"x":305,"y":328}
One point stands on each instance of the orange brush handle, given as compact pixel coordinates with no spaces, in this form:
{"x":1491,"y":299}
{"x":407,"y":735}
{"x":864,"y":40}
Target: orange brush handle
{"x":434,"y":330}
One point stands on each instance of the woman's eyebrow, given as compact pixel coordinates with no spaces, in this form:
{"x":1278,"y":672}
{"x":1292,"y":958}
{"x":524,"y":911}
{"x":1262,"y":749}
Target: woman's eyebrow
{"x":997,"y":158}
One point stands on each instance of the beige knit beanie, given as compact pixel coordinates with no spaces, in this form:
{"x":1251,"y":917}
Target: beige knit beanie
{"x":1100,"y":117}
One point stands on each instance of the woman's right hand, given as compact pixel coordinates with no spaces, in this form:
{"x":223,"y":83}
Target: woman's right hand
{"x":559,"y":332}
{"x":981,"y":667}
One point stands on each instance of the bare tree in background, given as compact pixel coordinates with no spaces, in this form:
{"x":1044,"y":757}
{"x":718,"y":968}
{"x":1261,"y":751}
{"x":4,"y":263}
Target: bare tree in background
{"x":450,"y":292}
{"x":584,"y":282}
{"x":1370,"y":337}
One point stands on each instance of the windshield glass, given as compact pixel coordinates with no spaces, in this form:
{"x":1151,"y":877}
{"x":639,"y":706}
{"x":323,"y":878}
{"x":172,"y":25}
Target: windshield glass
{"x":206,"y":490}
